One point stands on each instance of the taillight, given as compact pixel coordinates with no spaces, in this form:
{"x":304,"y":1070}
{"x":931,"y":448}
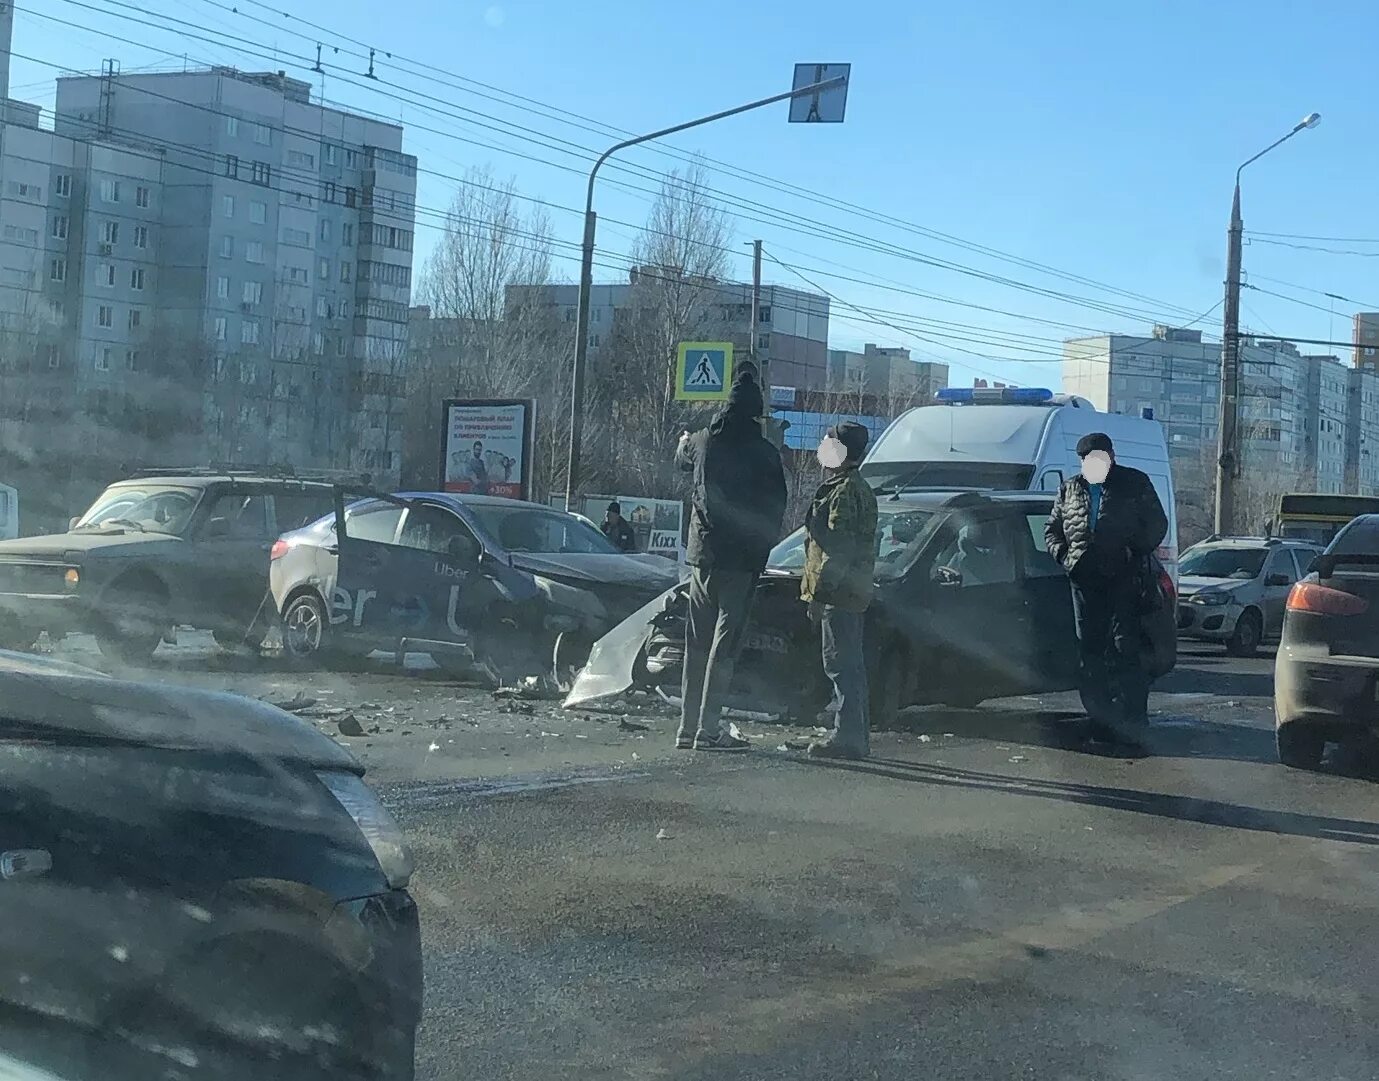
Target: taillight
{"x":1324,"y":601}
{"x":1166,"y":585}
{"x":279,"y":549}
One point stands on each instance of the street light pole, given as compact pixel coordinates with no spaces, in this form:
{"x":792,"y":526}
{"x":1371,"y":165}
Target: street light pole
{"x":1227,"y":440}
{"x":586,"y":263}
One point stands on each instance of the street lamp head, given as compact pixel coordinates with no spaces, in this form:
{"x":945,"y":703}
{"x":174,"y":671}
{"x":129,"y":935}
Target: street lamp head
{"x":1311,"y":120}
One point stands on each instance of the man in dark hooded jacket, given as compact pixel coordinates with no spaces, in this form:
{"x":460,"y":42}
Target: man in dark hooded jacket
{"x":736,"y":509}
{"x":1103,"y":526}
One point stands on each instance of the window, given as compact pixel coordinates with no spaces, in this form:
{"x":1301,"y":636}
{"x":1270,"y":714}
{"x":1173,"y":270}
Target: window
{"x":222,"y":287}
{"x":328,"y":191}
{"x":322,"y":308}
{"x":260,"y":174}
{"x":298,"y":274}
{"x":136,"y":318}
{"x":232,"y":125}
{"x":386,"y":274}
{"x":342,"y":346}
{"x":245,"y":516}
{"x":329,"y":153}
{"x":131,"y":360}
{"x":351,"y":158}
{"x":253,"y":251}
{"x":594,"y":341}
{"x":105,"y":316}
{"x":103,"y":356}
{"x":763,"y":341}
{"x":227,"y":206}
{"x":110,"y":191}
{"x":258,"y":212}
{"x":62,"y":185}
{"x":347,"y":235}
{"x":376,"y":522}
{"x":220,"y":328}
{"x":232,"y":166}
{"x":57,"y":270}
{"x":351,"y":197}
{"x":110,"y":232}
{"x":298,"y":237}
{"x":323,"y":269}
{"x":318,"y":344}
{"x":303,"y":198}
{"x":105,"y":275}
{"x":227,"y":247}
{"x":981,"y":550}
{"x":136,"y":279}
{"x":54,"y":356}
{"x":432,"y":529}
{"x":301,"y":160}
{"x":26,"y":191}
{"x":1038,"y":562}
{"x":141,"y":197}
{"x":249,"y":332}
{"x":345,"y":272}
{"x":141,"y":236}
{"x":325,"y":228}
{"x":263,"y":134}
{"x":253,"y":292}
{"x":764,"y":313}
{"x":60,"y":227}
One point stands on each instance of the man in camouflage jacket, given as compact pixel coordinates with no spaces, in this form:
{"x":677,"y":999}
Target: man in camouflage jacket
{"x":839,"y":562}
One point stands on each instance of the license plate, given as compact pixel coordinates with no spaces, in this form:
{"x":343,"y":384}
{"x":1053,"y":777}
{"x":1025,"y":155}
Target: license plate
{"x":760,"y":642}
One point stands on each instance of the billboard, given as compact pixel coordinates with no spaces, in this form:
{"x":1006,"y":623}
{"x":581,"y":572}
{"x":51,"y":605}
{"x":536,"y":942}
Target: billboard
{"x":486,"y":446}
{"x":658,"y":523}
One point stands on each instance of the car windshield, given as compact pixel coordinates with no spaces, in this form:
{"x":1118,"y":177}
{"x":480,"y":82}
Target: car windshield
{"x":536,"y":530}
{"x":900,"y":533}
{"x":1222,"y":563}
{"x":152,"y":508}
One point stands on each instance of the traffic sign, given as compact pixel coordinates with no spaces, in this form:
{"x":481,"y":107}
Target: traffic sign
{"x":821,"y":106}
{"x":704,"y":371}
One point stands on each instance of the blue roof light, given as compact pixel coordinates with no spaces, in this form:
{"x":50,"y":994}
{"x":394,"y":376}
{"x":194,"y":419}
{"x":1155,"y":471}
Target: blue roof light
{"x":994,"y":395}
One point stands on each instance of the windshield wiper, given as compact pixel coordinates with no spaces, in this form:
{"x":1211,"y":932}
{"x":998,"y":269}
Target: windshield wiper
{"x":123,"y":521}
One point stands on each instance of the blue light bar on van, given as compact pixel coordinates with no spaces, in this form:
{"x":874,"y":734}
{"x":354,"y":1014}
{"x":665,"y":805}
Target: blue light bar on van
{"x":994,"y":395}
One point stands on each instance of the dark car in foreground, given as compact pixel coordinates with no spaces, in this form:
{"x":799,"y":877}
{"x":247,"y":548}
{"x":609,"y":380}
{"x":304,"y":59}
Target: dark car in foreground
{"x":515,"y":582}
{"x":157,"y":551}
{"x":194,"y":885}
{"x":1326,"y":674}
{"x":1233,"y":589}
{"x":968,"y":606}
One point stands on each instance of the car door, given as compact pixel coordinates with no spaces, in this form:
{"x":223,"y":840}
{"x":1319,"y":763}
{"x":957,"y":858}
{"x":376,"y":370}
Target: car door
{"x":230,"y":553}
{"x":407,"y":591}
{"x":1051,"y":647}
{"x":1280,"y":573}
{"x":980,"y":623}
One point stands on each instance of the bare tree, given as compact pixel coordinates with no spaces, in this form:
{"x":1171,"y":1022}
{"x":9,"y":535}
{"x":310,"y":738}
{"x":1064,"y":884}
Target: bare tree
{"x":681,"y":258}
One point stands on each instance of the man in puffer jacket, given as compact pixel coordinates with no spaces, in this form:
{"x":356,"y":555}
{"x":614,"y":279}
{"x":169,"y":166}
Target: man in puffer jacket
{"x":1104,"y":523}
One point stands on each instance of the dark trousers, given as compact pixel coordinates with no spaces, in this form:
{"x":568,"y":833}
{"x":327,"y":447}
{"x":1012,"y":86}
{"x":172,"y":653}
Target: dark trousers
{"x":720,"y":602}
{"x":1114,"y":686}
{"x":846,"y":667}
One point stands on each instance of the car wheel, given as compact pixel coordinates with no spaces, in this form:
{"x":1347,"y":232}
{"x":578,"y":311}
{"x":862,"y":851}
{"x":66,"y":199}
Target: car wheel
{"x":1244,"y":640}
{"x":305,"y":630}
{"x":1300,"y":746}
{"x":133,"y":618}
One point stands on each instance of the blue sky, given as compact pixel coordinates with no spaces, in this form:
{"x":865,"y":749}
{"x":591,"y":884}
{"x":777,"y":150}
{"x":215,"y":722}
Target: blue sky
{"x":1096,"y":138}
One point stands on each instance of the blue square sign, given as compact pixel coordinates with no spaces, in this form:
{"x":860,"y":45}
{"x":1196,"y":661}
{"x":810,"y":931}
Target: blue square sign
{"x":703,"y":371}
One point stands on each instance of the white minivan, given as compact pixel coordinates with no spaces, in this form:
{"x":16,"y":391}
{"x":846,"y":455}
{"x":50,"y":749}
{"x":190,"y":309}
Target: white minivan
{"x":1014,"y":439}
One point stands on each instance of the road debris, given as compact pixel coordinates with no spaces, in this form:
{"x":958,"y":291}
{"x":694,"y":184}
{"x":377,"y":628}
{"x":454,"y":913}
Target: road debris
{"x":624,"y":725}
{"x":296,"y":703}
{"x":663,"y":834}
{"x":349,"y":725}
{"x":434,"y":747}
{"x":1017,"y":758}
{"x":926,"y":739}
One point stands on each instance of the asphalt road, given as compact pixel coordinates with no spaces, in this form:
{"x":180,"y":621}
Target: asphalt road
{"x":987,"y":897}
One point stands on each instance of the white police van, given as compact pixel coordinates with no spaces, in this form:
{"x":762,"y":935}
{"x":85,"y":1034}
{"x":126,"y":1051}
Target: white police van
{"x":1015,"y":439}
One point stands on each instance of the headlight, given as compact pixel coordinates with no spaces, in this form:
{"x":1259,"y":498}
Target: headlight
{"x":379,"y":827}
{"x":72,"y":578}
{"x":1212,"y":598}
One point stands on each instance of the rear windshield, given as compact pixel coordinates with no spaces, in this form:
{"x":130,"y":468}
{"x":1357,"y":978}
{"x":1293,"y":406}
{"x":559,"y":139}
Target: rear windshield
{"x":1359,"y":537}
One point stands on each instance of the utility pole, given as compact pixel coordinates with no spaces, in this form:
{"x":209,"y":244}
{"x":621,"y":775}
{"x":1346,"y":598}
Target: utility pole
{"x":1227,"y":448}
{"x":835,"y":90}
{"x":1227,"y":451}
{"x":762,"y":366}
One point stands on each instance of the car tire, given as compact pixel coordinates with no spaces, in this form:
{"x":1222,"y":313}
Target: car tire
{"x":305,"y":631}
{"x":133,"y":619}
{"x":1244,"y":640}
{"x":1300,"y":746}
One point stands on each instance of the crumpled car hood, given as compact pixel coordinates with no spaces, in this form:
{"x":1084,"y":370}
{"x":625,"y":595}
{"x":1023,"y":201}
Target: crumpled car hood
{"x":651,"y":573}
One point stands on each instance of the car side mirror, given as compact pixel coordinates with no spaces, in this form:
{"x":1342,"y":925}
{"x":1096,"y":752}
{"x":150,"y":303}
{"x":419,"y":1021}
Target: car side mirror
{"x":948,"y":576}
{"x":215,"y":528}
{"x":1278,"y":580}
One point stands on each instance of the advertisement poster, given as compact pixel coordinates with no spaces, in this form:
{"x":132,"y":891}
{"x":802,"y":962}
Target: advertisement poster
{"x":486,"y":447}
{"x":658,"y":523}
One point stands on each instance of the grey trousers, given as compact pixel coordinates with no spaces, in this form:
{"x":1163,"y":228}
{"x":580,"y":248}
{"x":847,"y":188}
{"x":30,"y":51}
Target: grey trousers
{"x":720,"y":603}
{"x":846,"y":666}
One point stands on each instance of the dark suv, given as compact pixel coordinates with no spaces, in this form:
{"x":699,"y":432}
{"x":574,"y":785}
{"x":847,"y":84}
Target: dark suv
{"x":157,"y":551}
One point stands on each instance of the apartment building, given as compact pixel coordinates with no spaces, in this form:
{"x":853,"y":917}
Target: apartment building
{"x":886,"y":372}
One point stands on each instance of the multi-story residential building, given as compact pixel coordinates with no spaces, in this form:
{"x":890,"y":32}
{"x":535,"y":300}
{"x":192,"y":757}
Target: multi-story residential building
{"x":1362,"y":431}
{"x":792,"y":326}
{"x":886,"y":372}
{"x":1365,"y":336}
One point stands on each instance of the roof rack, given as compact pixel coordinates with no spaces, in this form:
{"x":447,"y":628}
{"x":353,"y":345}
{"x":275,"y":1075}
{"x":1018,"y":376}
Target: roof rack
{"x":268,"y":472}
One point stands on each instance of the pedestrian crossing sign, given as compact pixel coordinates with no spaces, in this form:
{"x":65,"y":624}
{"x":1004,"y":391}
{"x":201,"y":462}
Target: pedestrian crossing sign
{"x":704,"y":371}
